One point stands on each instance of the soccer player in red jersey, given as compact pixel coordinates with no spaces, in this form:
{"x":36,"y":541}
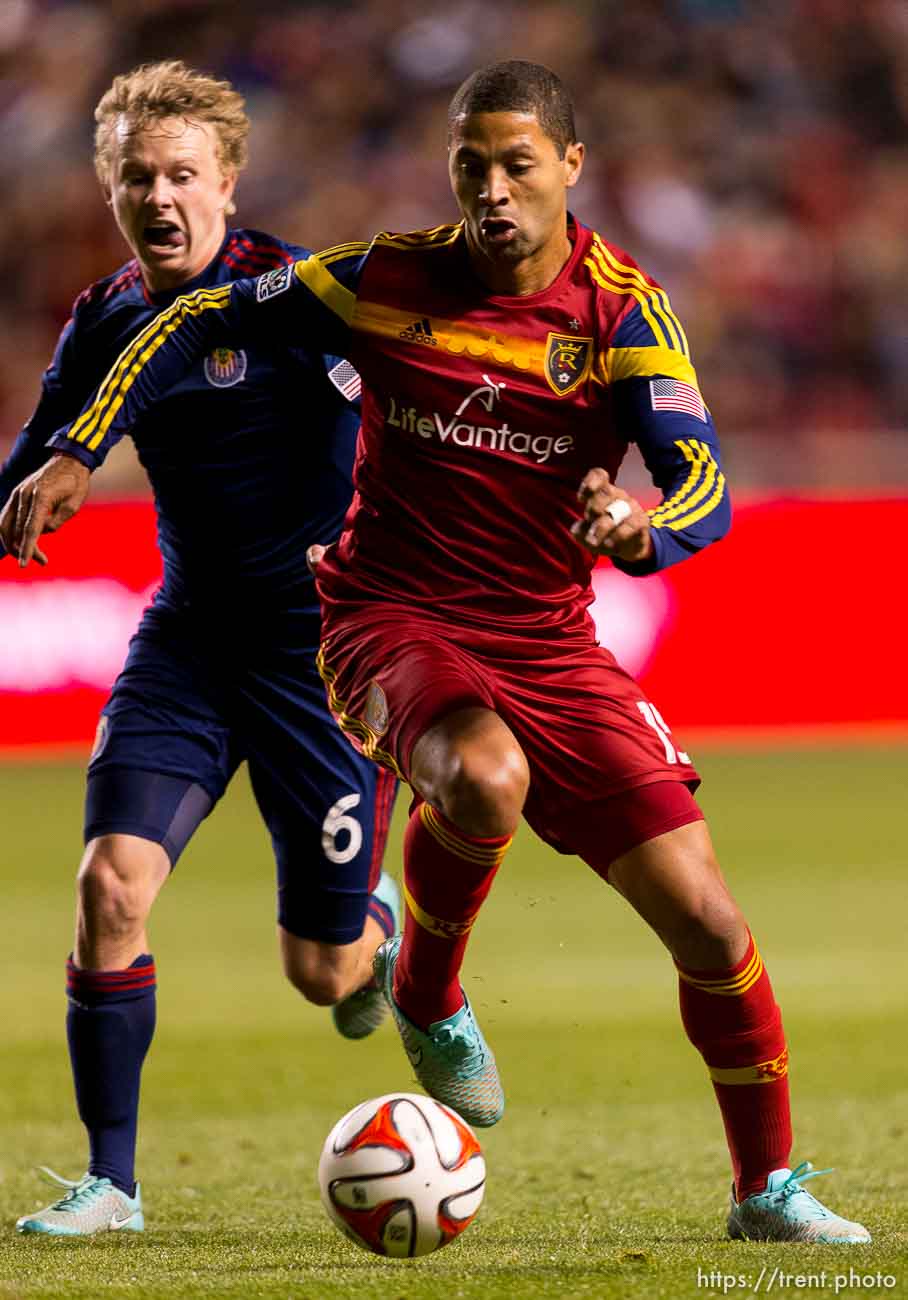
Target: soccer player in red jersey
{"x":501,"y":359}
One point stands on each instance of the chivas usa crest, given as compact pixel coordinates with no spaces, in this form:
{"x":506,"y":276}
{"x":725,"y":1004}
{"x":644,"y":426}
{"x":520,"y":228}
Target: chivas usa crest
{"x":567,"y":360}
{"x":224,"y":367}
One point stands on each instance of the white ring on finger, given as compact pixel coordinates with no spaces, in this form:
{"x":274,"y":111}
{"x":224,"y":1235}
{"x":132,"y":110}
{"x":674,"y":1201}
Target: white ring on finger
{"x":618,"y":511}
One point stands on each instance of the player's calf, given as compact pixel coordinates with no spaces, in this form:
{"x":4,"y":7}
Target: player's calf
{"x":119,"y":878}
{"x":323,"y":972}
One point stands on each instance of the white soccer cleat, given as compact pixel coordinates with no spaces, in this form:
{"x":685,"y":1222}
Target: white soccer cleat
{"x":90,"y":1205}
{"x":786,"y":1212}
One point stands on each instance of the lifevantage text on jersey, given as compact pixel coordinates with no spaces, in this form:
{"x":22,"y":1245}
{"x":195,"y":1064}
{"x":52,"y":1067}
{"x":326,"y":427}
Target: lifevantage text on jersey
{"x":463,"y":434}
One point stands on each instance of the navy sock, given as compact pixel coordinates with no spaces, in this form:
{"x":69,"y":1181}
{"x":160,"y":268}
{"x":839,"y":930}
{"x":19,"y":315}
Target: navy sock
{"x":109,"y":1027}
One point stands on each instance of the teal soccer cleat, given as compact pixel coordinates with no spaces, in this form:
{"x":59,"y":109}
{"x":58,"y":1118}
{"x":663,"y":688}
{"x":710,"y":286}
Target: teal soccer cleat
{"x":361,"y":1012}
{"x":786,"y":1212}
{"x":90,"y":1205}
{"x":452,"y":1061}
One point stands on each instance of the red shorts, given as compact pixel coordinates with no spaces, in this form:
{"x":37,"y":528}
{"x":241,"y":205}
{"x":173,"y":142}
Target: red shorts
{"x":588,"y":732}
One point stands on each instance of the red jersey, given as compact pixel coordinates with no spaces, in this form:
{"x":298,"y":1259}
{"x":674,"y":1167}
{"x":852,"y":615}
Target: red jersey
{"x":481,"y":415}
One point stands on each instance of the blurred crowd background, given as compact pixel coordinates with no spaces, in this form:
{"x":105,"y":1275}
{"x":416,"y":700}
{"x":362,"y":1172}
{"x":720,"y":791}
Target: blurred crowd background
{"x":751,"y":154}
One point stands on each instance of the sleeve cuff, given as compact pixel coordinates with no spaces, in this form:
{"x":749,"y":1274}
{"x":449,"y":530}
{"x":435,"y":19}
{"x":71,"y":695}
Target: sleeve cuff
{"x":60,"y":443}
{"x":643,"y":568}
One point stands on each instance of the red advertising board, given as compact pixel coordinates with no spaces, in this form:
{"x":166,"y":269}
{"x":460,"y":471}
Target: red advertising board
{"x":794,"y":622}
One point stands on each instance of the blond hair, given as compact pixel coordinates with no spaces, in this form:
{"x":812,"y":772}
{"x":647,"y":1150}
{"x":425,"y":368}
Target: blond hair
{"x":170,"y":89}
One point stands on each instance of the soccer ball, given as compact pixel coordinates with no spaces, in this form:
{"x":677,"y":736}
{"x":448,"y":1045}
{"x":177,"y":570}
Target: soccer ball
{"x":401,"y":1175}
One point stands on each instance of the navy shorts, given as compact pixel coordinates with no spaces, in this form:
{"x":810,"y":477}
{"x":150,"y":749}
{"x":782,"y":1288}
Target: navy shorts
{"x":186,"y":711}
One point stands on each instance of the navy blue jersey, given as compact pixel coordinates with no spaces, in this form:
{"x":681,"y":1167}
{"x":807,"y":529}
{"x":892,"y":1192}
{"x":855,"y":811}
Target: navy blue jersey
{"x":249,"y":455}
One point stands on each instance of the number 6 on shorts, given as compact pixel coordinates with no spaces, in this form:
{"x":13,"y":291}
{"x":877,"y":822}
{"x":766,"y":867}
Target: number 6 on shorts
{"x":337,"y":822}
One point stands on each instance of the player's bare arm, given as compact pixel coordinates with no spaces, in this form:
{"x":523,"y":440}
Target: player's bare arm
{"x":42,"y":503}
{"x":612,"y":523}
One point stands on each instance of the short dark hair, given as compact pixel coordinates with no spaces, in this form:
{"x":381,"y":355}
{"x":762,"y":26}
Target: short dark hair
{"x":517,"y":86}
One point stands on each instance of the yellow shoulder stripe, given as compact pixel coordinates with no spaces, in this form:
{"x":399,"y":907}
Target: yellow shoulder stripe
{"x":623,"y":278}
{"x":698,"y":495}
{"x":601,"y":276}
{"x":630,"y":363}
{"x":355,"y":248}
{"x":93,"y":424}
{"x":438,"y":237}
{"x":331,"y":292}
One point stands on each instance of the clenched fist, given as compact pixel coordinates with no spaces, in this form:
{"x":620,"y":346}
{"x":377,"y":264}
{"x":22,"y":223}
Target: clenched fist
{"x":612,"y":523}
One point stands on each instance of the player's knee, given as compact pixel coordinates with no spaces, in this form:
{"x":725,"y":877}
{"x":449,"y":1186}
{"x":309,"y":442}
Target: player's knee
{"x":471,"y":767}
{"x":709,"y":931}
{"x":114,"y":896}
{"x":485,"y":789}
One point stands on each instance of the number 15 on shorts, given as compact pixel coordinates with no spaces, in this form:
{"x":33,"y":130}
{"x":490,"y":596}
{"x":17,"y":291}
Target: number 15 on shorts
{"x":655,"y":719}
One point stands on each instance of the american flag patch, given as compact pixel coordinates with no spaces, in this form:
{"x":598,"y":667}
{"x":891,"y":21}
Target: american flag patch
{"x":675,"y":395}
{"x":346,"y":380}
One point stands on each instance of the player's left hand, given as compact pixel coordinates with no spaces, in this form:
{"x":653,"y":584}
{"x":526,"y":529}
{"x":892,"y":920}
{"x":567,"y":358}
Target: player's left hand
{"x":612,"y":523}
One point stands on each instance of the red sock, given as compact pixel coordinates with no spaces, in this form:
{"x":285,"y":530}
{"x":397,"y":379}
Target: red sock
{"x":447,"y":875}
{"x":732,"y":1018}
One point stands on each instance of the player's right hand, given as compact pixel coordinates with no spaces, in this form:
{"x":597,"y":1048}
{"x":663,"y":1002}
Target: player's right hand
{"x":42,"y":503}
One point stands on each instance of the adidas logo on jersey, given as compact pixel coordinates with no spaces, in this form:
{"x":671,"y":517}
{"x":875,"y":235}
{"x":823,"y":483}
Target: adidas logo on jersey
{"x":420,"y":332}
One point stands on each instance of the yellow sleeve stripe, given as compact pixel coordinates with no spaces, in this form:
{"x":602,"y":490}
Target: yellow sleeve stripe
{"x":452,"y":930}
{"x":93,"y":424}
{"x":697,"y":458}
{"x":631,"y":363}
{"x":764,"y":1072}
{"x":336,"y":296}
{"x":732,"y":987}
{"x":488,"y":856}
{"x":601,"y":277}
{"x":361,"y":731}
{"x":700,"y":493}
{"x":659,"y":297}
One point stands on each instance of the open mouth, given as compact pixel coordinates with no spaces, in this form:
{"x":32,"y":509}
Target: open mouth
{"x":498,"y":230}
{"x":163,"y":234}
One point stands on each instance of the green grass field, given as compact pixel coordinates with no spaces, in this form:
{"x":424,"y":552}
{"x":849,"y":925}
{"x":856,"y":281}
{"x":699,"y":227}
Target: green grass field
{"x":607,"y":1177}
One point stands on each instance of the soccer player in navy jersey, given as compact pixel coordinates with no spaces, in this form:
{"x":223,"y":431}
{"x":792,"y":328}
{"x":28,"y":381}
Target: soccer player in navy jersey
{"x":502,"y":358}
{"x":250,"y":460}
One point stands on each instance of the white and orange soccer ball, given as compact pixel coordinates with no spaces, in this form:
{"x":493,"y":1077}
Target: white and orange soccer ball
{"x":401,"y":1175}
